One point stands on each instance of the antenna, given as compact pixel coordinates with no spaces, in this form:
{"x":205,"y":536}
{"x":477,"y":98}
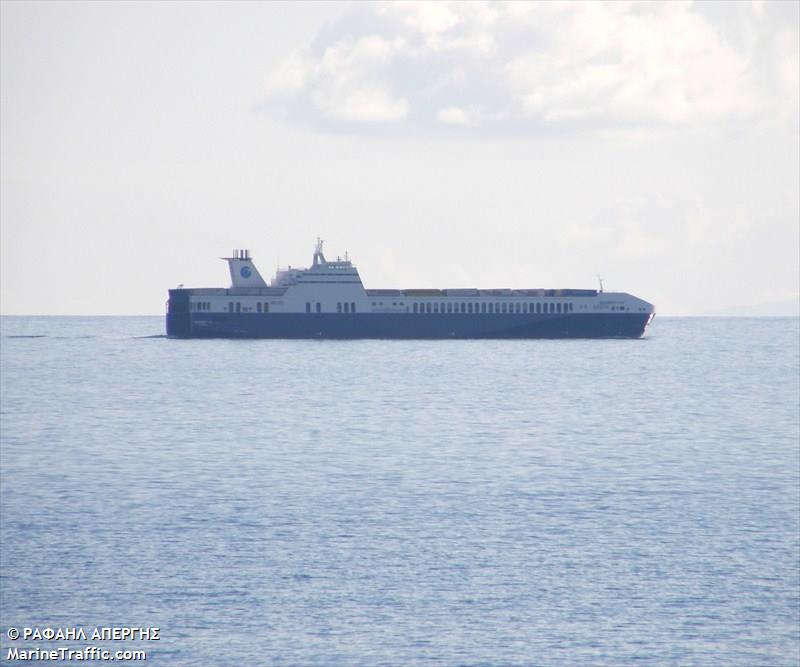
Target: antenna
{"x":600,"y":280}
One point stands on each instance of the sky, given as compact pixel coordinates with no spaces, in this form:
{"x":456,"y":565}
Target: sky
{"x":440,"y":144}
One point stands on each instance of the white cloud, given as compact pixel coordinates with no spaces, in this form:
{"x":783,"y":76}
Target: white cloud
{"x":468,"y":117}
{"x":536,"y":66}
{"x":367,"y":106}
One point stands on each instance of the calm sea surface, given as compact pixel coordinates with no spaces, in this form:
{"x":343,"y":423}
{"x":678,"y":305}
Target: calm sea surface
{"x":405,"y":503}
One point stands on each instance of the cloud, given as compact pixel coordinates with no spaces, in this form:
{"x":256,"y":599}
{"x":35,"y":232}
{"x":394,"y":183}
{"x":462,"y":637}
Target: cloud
{"x":510,"y":67}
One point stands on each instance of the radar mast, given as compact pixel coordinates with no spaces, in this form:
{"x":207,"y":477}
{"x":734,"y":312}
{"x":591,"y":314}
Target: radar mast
{"x":319,"y":258}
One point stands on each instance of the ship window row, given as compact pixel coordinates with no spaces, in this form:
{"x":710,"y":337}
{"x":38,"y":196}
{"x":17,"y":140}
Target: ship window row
{"x":347,"y":307}
{"x":201,"y":305}
{"x":493,"y":308}
{"x":261,"y":307}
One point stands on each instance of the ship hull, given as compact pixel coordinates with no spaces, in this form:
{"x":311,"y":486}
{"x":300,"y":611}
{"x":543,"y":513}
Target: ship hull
{"x":405,"y":326}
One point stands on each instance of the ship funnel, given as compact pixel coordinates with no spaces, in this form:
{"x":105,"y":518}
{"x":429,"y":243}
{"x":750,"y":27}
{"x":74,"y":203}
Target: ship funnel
{"x":243,"y":271}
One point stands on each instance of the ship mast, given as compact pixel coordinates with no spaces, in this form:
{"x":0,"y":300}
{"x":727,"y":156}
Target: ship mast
{"x":319,"y":258}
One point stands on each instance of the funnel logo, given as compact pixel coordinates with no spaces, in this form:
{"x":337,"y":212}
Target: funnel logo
{"x":245,"y":271}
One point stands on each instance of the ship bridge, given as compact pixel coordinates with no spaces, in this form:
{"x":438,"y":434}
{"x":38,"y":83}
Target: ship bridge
{"x":322,"y":272}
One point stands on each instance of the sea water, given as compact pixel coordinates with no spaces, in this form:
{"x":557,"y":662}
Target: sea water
{"x":583,"y":502}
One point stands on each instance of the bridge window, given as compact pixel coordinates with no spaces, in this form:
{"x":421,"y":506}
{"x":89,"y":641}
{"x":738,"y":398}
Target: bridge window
{"x":414,"y":307}
{"x":308,"y":306}
{"x":319,"y":307}
{"x":230,"y":306}
{"x":436,"y":308}
{"x":503,"y":307}
{"x":483,"y":307}
{"x":346,"y":307}
{"x":238,"y":307}
{"x":258,"y":306}
{"x":427,"y":307}
{"x":266,"y":307}
{"x":353,"y":307}
{"x":339,"y":307}
{"x":558,"y":307}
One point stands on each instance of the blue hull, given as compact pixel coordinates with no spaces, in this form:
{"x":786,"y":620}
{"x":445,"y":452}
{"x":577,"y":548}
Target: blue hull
{"x":404,"y":326}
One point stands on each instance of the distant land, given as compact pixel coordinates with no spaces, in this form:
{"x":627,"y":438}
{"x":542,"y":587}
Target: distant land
{"x":785,"y":308}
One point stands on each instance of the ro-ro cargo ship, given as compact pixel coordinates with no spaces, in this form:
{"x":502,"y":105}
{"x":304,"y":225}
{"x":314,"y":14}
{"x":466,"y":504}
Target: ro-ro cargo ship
{"x":328,"y":300}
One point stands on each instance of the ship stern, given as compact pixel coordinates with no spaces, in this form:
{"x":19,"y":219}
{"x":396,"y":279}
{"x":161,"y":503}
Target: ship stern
{"x":179,"y":323}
